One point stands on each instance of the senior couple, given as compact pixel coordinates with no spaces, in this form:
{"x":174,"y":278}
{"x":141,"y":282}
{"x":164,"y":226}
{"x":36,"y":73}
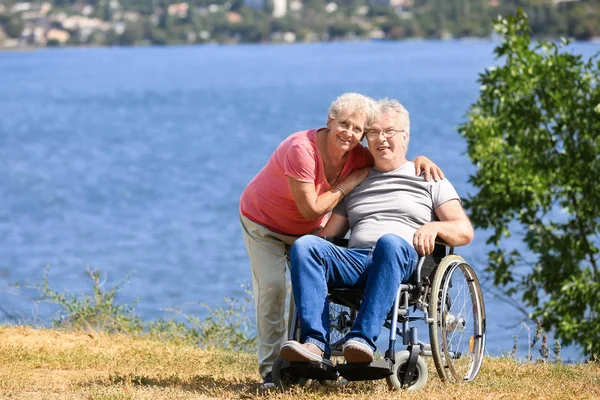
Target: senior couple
{"x":393,"y":210}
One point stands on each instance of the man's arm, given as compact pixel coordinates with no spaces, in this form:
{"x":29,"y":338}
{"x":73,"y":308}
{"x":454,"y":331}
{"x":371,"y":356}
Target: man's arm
{"x":453,"y":227}
{"x":336,"y":226}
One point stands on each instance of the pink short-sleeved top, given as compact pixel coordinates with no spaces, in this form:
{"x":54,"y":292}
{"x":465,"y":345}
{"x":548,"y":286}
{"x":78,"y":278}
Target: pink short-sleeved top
{"x":268,"y":201}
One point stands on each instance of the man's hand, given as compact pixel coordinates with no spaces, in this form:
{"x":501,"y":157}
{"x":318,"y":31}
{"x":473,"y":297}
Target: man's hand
{"x":424,"y":164}
{"x":424,"y":238}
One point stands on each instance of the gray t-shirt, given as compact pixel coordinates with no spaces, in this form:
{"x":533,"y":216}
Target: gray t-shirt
{"x":392,"y":202}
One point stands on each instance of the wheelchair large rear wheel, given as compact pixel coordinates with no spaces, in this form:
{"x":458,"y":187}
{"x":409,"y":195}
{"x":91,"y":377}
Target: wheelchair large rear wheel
{"x":457,"y":332}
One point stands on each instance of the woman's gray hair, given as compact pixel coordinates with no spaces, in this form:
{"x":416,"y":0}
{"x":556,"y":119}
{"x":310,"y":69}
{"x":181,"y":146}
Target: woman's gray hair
{"x":353,"y":103}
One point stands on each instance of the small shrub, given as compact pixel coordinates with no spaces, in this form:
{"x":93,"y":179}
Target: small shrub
{"x":226,"y":327}
{"x":544,"y":350}
{"x":172,"y":331}
{"x":97,"y":312}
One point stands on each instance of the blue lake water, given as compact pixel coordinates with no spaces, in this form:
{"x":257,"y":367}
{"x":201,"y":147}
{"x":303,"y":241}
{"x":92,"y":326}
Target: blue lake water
{"x":132,"y":160}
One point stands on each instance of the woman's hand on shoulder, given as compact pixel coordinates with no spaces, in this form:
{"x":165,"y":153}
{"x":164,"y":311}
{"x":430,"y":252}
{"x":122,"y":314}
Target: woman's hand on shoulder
{"x":424,"y":164}
{"x":354,"y":179}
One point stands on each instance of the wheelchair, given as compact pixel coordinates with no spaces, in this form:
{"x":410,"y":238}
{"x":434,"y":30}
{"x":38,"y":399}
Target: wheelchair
{"x":443,"y":292}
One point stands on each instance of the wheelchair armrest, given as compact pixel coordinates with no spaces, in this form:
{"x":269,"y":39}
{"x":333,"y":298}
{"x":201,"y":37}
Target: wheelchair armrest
{"x":439,"y":240}
{"x":428,"y":263}
{"x":343,"y":242}
{"x":338,"y":241}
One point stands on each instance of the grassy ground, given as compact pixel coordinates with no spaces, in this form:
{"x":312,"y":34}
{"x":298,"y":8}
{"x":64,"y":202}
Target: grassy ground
{"x":47,"y":364}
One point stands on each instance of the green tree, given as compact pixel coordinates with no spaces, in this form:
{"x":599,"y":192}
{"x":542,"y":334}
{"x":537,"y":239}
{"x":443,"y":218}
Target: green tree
{"x":104,"y":11}
{"x":284,"y":24}
{"x":268,"y":7}
{"x":534,"y":135}
{"x":165,"y":21}
{"x":343,"y":29}
{"x":13,"y":25}
{"x":53,"y":43}
{"x":133,"y":32}
{"x":159,"y":37}
{"x":582,"y":21}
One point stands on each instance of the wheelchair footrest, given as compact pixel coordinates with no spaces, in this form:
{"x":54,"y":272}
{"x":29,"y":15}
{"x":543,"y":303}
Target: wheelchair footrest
{"x":366,"y":371}
{"x":310,"y":370}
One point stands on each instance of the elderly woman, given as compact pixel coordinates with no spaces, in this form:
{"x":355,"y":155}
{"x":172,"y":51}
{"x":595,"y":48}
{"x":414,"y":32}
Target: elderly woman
{"x":305,"y":178}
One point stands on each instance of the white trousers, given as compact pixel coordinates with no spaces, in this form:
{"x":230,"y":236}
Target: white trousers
{"x":267,"y":251}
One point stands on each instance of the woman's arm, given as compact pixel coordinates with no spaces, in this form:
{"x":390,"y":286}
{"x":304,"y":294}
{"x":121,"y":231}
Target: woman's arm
{"x":311,"y":205}
{"x":424,"y":164}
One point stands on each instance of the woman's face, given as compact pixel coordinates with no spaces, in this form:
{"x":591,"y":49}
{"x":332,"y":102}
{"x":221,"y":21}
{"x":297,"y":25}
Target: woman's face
{"x":346,"y":131}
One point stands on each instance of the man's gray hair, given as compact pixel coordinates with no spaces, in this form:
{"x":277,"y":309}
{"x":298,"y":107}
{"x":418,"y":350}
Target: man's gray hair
{"x":353,"y":103}
{"x":392,"y":106}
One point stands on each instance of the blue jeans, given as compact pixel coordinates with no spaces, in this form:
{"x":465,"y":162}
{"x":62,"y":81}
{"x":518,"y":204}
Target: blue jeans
{"x":317,"y":265}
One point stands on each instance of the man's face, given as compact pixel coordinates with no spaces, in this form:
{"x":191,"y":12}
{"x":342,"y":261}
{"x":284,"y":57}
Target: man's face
{"x":387,"y":139}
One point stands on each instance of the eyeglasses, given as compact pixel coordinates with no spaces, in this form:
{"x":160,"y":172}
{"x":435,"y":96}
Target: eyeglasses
{"x":388,"y":133}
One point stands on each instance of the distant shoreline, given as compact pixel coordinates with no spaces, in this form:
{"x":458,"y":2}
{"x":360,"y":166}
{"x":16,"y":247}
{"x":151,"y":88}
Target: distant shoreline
{"x":595,"y":40}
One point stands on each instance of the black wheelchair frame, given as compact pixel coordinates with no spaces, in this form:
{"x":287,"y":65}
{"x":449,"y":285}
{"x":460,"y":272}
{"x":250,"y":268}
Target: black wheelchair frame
{"x":446,"y":291}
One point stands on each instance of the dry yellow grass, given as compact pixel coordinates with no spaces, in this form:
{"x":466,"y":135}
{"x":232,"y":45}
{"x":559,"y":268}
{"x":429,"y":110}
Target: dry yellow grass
{"x":46,"y":364}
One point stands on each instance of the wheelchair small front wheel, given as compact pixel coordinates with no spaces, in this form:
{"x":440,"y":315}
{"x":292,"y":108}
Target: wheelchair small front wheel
{"x":284,"y":380}
{"x":420,"y":374}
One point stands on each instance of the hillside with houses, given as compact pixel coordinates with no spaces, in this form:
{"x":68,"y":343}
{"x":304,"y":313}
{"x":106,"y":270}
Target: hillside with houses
{"x":163,"y":22}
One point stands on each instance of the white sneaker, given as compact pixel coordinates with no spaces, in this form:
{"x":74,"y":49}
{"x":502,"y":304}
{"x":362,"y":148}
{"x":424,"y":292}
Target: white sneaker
{"x":356,"y":351}
{"x":296,"y":352}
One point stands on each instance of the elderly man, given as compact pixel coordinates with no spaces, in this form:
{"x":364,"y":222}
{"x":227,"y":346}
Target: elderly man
{"x":393,"y":216}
